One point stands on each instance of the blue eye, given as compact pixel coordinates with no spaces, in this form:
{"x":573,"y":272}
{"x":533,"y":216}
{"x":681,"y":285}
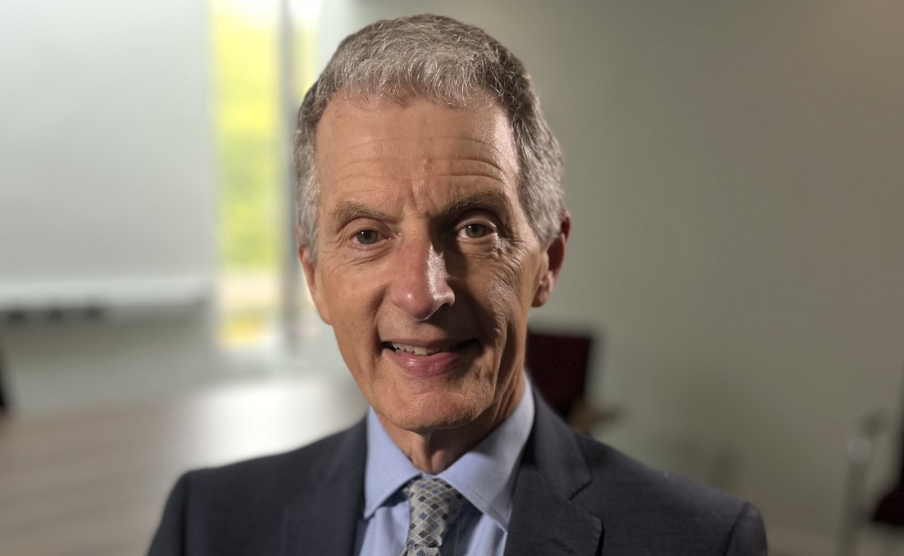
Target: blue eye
{"x":474,"y":231}
{"x":367,"y":237}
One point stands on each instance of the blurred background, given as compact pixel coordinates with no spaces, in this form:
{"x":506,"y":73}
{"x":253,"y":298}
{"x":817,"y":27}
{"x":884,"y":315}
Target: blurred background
{"x":734,"y":175}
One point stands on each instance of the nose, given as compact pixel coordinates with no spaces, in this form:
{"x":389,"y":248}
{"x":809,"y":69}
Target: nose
{"x":420,"y":286}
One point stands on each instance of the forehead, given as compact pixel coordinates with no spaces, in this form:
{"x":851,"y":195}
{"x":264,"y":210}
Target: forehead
{"x":413,"y":140}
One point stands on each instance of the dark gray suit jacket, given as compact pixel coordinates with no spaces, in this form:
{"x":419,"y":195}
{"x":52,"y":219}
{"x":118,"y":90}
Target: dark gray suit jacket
{"x":573,"y":495}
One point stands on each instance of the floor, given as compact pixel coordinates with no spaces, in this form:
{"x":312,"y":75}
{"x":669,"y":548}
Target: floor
{"x":92,"y":482}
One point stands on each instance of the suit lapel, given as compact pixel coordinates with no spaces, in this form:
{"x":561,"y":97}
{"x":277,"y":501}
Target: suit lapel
{"x":325,"y":519}
{"x":544,"y":519}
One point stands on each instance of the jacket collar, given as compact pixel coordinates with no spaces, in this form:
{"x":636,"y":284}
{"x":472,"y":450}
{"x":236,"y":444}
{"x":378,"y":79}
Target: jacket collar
{"x":325,"y":521}
{"x":553,"y":470}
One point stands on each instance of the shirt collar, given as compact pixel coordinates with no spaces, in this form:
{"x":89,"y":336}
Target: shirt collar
{"x":485,"y":475}
{"x":387,"y":469}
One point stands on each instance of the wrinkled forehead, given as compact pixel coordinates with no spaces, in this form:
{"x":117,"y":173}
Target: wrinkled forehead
{"x":416,"y":159}
{"x":353,"y":127}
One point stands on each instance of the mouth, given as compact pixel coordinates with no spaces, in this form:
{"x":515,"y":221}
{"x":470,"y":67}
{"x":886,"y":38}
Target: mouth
{"x":426,"y":351}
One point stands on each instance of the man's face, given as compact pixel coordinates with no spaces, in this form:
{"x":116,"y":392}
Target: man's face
{"x":426,"y":265}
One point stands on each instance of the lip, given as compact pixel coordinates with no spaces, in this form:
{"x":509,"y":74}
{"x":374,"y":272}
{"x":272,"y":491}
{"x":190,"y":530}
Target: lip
{"x":425,"y":366}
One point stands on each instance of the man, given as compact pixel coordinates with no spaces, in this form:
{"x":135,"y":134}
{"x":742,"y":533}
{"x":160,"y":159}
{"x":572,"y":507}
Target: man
{"x":430,"y":222}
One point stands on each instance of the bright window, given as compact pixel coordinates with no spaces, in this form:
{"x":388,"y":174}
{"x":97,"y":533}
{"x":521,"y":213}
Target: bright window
{"x":254,"y":224}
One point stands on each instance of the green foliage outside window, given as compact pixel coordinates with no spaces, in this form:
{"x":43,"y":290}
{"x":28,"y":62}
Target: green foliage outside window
{"x":248,"y":143}
{"x":254,"y":225}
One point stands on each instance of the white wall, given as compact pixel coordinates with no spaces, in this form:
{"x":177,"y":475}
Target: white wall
{"x":105,"y":179}
{"x":735,"y":180}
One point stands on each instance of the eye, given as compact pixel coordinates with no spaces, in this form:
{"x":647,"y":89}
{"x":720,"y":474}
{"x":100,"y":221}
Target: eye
{"x":367,"y":237}
{"x":473,"y":231}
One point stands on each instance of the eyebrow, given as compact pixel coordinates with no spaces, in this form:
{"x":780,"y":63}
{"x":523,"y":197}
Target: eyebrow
{"x":346,"y":211}
{"x":482,"y":200}
{"x":349,"y":210}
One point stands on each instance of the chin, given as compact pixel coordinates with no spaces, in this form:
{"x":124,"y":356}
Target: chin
{"x":437,"y":411}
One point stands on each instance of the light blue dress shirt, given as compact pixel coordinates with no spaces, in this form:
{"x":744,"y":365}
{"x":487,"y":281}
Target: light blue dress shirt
{"x":485,"y":476}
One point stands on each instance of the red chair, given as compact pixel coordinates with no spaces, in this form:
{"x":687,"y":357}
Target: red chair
{"x":558,"y":363}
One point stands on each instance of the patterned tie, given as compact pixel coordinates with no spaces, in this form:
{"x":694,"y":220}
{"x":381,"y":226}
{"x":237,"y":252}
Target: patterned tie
{"x":433,"y":505}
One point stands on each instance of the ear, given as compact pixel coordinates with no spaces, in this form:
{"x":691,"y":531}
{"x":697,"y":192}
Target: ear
{"x":311,"y":277}
{"x":555,"y":256}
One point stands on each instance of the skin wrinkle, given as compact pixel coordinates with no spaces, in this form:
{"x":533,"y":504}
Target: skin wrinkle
{"x":404,"y":161}
{"x":400,"y":176}
{"x":395,"y":157}
{"x":422,"y":280}
{"x":376,"y":181}
{"x":481,"y":142}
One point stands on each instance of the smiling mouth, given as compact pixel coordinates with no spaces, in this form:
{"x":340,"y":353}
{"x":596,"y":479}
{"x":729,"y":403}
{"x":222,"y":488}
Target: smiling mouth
{"x":427,"y":351}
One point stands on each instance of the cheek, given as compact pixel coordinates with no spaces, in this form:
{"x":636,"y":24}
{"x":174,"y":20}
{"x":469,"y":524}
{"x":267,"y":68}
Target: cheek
{"x":353,"y":302}
{"x":506,"y":293}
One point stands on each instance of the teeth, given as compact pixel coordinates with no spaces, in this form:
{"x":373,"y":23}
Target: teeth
{"x":424,"y":351}
{"x":417,"y":350}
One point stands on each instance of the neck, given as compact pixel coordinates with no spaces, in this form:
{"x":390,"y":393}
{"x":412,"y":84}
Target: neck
{"x":434,"y":451}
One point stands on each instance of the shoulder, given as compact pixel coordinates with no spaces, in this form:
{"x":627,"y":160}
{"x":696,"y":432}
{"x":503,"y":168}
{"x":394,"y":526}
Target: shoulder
{"x":631,"y":482}
{"x":632,"y":498}
{"x":641,"y":510}
{"x":224,"y":510}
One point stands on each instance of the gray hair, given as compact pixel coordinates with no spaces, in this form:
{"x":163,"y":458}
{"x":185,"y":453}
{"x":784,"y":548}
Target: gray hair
{"x":448,"y":63}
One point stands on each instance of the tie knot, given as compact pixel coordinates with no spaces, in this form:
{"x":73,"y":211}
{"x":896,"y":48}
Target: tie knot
{"x":433,"y":505}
